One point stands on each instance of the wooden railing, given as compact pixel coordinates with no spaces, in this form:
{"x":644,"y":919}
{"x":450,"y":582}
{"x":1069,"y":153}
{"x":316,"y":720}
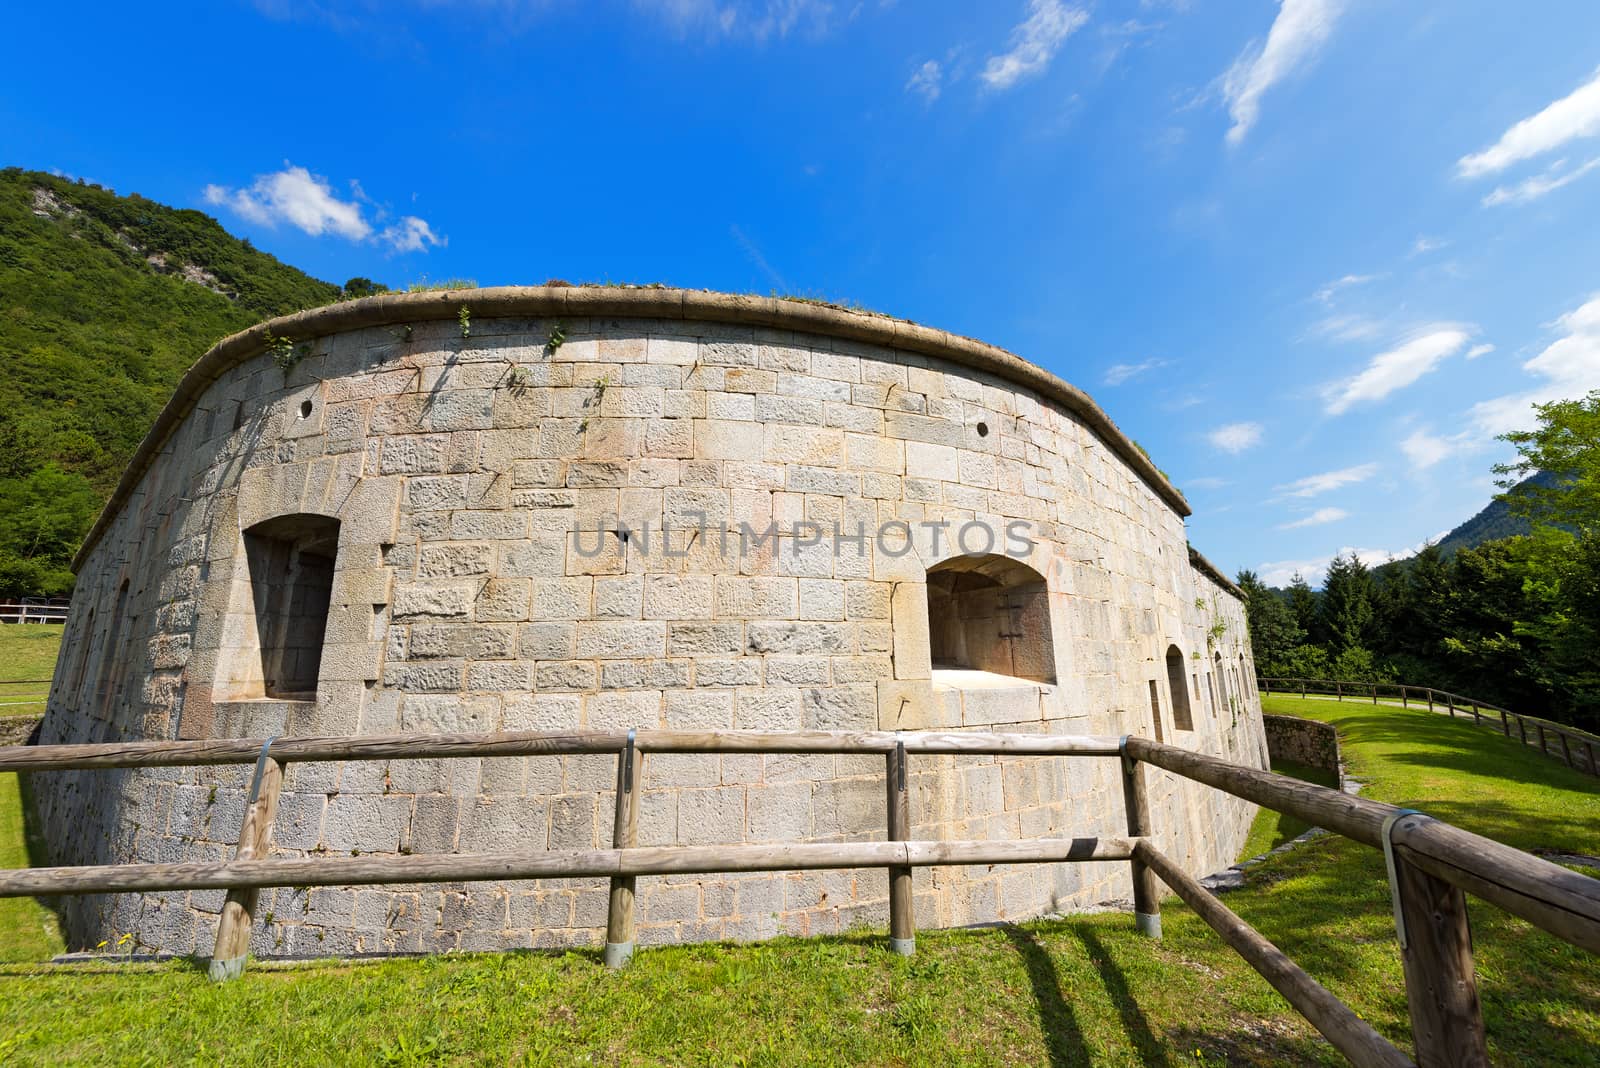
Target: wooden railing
{"x":1432,"y":865}
{"x":1576,"y":747}
{"x":26,"y":610}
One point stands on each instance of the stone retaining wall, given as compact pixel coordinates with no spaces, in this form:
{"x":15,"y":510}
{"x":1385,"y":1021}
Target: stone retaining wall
{"x":482,"y":495}
{"x":1304,"y":741}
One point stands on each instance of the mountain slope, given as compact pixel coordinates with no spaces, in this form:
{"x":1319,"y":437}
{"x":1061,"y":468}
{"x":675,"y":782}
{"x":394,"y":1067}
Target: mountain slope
{"x":104,"y":301}
{"x":1495,"y":521}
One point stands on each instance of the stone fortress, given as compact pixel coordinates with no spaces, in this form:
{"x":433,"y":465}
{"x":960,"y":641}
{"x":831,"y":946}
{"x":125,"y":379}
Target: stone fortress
{"x":557,"y":507}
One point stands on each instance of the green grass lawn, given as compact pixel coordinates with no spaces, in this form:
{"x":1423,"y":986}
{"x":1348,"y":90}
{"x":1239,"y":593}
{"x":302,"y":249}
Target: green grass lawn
{"x":1272,"y":829}
{"x":1076,"y":991}
{"x":27,"y":655}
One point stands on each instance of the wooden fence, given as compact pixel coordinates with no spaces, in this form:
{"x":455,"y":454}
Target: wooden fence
{"x":1432,"y":865}
{"x":1577,"y":747}
{"x":31,"y":610}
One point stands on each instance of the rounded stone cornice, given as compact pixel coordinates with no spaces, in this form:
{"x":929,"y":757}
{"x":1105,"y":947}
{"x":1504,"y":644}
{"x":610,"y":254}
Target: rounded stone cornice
{"x":685,"y":305}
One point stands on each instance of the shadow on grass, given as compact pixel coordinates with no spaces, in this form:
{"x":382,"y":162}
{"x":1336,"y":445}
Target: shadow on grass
{"x":1116,"y":984}
{"x":1062,"y":1035}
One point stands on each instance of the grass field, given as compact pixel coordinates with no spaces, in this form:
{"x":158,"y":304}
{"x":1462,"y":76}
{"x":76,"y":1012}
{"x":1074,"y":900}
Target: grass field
{"x":27,"y":656}
{"x":1076,"y":991}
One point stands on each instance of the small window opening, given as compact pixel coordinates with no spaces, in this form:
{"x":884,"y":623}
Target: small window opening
{"x":1181,"y":716}
{"x":1155,"y":707}
{"x":291,"y":579}
{"x":990,"y":613}
{"x":305,"y":409}
{"x":983,"y":430}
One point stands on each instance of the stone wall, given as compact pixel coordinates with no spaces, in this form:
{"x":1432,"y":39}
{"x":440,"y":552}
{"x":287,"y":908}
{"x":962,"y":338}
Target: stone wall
{"x":1304,"y":741}
{"x":493,"y":572}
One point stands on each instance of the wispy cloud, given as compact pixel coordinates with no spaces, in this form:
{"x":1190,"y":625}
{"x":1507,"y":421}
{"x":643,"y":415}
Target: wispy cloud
{"x":926,"y":81}
{"x":1034,"y":43}
{"x":757,"y":20}
{"x":1298,"y":32}
{"x":1569,"y":366}
{"x":1313,"y":485}
{"x":1327,"y":292}
{"x":1235,"y":438}
{"x":1539,"y":185}
{"x":410,"y":234}
{"x":755,"y":256}
{"x":1425,"y":244}
{"x":1118,"y":373}
{"x":1397,"y":368}
{"x":1207,"y":482}
{"x":1423,"y":449}
{"x":1349,"y":327}
{"x":1318,"y":518}
{"x":1574,"y":116}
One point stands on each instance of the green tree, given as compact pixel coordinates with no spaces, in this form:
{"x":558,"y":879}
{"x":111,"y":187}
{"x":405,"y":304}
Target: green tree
{"x":1566,"y":444}
{"x":1303,"y":603}
{"x":1273,"y":630}
{"x":1346,"y":603}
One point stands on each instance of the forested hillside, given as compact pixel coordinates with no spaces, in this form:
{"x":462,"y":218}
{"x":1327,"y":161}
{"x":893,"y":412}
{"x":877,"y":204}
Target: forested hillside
{"x":105,"y":300}
{"x":1494,"y":522}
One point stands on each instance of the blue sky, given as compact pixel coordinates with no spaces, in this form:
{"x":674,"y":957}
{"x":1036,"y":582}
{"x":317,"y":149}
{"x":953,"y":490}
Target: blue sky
{"x":1313,"y":256}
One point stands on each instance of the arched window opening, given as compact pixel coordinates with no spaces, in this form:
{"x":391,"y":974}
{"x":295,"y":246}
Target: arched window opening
{"x":1181,"y":717}
{"x":291,"y":580}
{"x":990,"y":613}
{"x":1220,"y":680}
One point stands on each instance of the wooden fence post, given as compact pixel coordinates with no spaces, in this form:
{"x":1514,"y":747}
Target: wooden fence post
{"x":1339,"y":689}
{"x":1522,"y":730}
{"x":1404,"y":692}
{"x":1477,"y":716}
{"x":1374,"y":693}
{"x":624,"y":835}
{"x":902,"y":922}
{"x":1540,"y":728}
{"x":1588,"y":748}
{"x":232,"y":947}
{"x":1566,"y":750}
{"x":1450,"y":703}
{"x":1430,"y":698}
{"x":1441,"y":988}
{"x":1146,"y":891}
{"x":1505,"y":723}
{"x":1302,"y":689}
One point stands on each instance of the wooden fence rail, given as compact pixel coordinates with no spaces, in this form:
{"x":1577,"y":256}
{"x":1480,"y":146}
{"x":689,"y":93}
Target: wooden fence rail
{"x":1577,"y":748}
{"x":1433,"y":863}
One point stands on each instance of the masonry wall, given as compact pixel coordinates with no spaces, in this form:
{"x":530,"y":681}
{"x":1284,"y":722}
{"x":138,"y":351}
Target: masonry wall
{"x":462,"y":599}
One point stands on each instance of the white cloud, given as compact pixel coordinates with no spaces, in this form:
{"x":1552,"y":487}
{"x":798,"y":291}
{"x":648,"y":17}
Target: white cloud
{"x":1312,"y":485}
{"x":1315,"y":569}
{"x":1479,"y":350}
{"x":1540,"y":184}
{"x":1317,"y":518}
{"x":1349,"y":328}
{"x":296,"y":196}
{"x":1208,"y":482}
{"x":307,"y":202}
{"x":411,"y":234}
{"x":1425,"y":244}
{"x":926,"y":80}
{"x":757,"y":21}
{"x":1397,"y":368}
{"x":1569,"y":365}
{"x":1118,"y":373}
{"x":1574,"y":116}
{"x":1034,"y":43}
{"x":1327,"y":292}
{"x":1235,"y":437}
{"x":1297,"y":33}
{"x":1424,"y":450}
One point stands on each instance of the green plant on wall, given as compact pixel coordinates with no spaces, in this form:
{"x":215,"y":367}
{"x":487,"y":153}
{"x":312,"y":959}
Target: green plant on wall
{"x":519,"y":378}
{"x":557,"y":338}
{"x":284,"y":352}
{"x":464,"y":317}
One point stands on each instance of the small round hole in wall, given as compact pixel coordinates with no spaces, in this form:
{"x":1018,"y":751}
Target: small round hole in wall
{"x":305,"y":409}
{"x":983,"y":430}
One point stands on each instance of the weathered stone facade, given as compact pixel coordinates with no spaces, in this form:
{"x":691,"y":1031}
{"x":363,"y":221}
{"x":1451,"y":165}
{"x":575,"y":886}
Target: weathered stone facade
{"x":1304,"y":741}
{"x":447,"y":492}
